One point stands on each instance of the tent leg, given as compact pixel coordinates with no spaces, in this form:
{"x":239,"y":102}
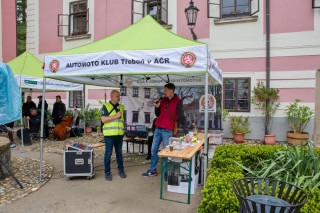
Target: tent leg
{"x":42,"y":127}
{"x":21,"y":121}
{"x":206,"y":118}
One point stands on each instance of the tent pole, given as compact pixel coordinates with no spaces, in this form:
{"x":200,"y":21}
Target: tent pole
{"x":21,"y":120}
{"x":206,"y":118}
{"x":42,"y":126}
{"x":84,"y":102}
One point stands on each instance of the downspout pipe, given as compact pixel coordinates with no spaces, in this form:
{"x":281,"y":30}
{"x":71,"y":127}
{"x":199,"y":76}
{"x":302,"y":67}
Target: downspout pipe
{"x":267,"y":52}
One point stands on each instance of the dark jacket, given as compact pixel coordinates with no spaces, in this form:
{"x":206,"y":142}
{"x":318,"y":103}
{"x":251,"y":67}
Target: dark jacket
{"x":26,"y":108}
{"x":45,"y":105}
{"x":34,"y":122}
{"x":59,"y":109}
{"x":164,"y":120}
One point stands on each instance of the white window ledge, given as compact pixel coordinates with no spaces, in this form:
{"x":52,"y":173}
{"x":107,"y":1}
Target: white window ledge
{"x":77,"y":37}
{"x":233,"y":20}
{"x":167,"y":26}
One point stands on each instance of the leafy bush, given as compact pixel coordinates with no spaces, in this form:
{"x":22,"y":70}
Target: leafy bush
{"x":298,"y":166}
{"x":266,"y":99}
{"x":313,"y":204}
{"x":238,"y":124}
{"x":298,"y":116}
{"x":218,"y":195}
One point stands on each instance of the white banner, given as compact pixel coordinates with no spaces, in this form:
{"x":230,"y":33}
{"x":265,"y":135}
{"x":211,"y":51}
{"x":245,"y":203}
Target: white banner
{"x":191,"y":59}
{"x":51,"y":84}
{"x":214,"y":69}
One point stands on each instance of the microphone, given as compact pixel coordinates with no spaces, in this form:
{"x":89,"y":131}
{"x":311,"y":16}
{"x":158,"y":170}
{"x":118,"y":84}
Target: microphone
{"x":118,"y":110}
{"x":158,"y":99}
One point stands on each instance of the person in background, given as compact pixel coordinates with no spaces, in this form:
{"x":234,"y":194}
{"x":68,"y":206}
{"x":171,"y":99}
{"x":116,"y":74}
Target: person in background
{"x":27,"y":106}
{"x":46,"y":128}
{"x":112,"y":116}
{"x":150,"y":139}
{"x":34,"y":121}
{"x":40,"y":103}
{"x":169,"y":110}
{"x":59,"y":109}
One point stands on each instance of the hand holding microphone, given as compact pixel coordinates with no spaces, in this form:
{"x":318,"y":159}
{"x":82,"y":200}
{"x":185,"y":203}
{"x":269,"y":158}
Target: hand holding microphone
{"x":118,"y":115}
{"x":157,"y":102}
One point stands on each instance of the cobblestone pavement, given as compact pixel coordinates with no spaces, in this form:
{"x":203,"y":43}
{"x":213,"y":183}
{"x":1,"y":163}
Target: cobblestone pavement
{"x":27,"y":172}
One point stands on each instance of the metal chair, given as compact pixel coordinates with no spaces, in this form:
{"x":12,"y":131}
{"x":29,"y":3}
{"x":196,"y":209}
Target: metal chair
{"x":268,"y":196}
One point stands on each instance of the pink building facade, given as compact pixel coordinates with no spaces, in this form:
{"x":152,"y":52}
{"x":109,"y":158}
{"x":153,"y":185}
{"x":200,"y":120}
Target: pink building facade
{"x":8,"y":47}
{"x":235,"y":34}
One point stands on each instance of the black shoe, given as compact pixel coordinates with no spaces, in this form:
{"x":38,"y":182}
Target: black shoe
{"x":108,"y":176}
{"x":27,"y":144}
{"x":122,"y":174}
{"x":148,"y":157}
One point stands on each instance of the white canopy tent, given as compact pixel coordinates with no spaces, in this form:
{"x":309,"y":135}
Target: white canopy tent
{"x":144,"y":54}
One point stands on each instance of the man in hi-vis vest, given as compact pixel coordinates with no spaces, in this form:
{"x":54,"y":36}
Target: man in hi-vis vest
{"x":113,"y":130}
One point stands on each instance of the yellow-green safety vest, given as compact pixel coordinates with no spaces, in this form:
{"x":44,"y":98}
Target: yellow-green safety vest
{"x":115,"y":127}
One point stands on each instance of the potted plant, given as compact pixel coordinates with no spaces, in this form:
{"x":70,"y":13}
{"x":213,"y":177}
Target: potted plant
{"x":298,"y":118}
{"x":266,"y":99}
{"x":239,"y":127}
{"x":87,"y":114}
{"x":68,"y":112}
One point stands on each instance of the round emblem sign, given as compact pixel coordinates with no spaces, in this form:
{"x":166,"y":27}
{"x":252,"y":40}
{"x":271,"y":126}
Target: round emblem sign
{"x":188,"y":59}
{"x":54,"y":65}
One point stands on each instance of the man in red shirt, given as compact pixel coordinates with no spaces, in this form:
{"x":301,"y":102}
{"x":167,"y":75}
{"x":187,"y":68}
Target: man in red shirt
{"x":168,"y":110}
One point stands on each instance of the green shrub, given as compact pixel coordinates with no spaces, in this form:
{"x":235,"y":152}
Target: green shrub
{"x":218,"y":195}
{"x":298,"y":166}
{"x":313,"y":204}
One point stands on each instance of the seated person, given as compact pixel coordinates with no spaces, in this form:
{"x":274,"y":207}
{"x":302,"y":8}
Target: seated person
{"x":34,"y":121}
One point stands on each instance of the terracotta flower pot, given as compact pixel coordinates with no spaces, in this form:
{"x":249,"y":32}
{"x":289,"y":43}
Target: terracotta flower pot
{"x":238,"y":138}
{"x":270,"y":139}
{"x":297,"y":138}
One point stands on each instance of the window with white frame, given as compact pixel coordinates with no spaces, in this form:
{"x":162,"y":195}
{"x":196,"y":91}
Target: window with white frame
{"x":147,"y":117}
{"x":123,"y":91}
{"x":135,"y":92}
{"x":146,"y":92}
{"x":158,"y":9}
{"x":76,"y":22}
{"x":135,"y":116}
{"x":232,"y":8}
{"x":78,"y":18}
{"x":237,"y":94}
{"x":75,"y":99}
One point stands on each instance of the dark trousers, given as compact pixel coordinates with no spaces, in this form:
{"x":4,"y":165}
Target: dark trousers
{"x":56,"y":120}
{"x":150,"y":139}
{"x":26,"y":137}
{"x":110,"y":142}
